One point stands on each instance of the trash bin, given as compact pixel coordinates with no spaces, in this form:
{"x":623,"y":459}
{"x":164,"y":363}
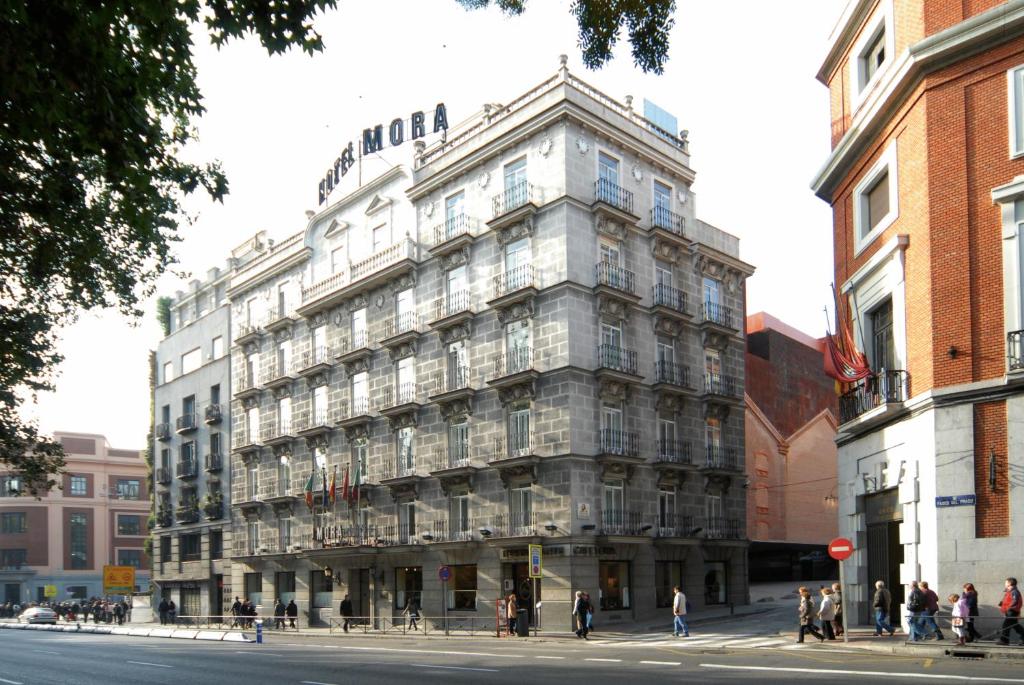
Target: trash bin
{"x":522,"y":623}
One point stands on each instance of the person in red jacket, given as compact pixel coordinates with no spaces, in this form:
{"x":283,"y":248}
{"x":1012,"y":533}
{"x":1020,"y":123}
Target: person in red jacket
{"x":1010,"y":607}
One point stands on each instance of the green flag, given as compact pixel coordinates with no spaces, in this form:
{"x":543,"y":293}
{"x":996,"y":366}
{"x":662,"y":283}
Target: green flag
{"x":309,"y":490}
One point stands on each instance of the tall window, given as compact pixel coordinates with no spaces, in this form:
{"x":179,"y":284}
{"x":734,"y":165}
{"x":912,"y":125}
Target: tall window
{"x":406,"y":522}
{"x":665,"y":350}
{"x":712,"y":363}
{"x":406,"y":378}
{"x":520,"y":506}
{"x":359,"y":338}
{"x":360,"y":393}
{"x":462,"y":588}
{"x":284,"y":534}
{"x":1015,"y":79}
{"x":252,"y":482}
{"x":610,"y":252}
{"x":662,"y":204}
{"x":79,"y":486}
{"x":319,"y":401}
{"x":517,"y":338}
{"x":607,"y":168}
{"x":168,"y":372}
{"x":458,"y":365}
{"x":13,"y":522}
{"x":454,"y":207}
{"x":284,"y":357}
{"x":252,"y":538}
{"x":252,"y":368}
{"x":611,"y":339}
{"x":613,"y":581}
{"x":666,"y":508}
{"x":519,"y":442}
{"x":252,"y":424}
{"x":338,"y":260}
{"x":188,"y":405}
{"x":667,"y":434}
{"x":458,"y":441}
{"x":215,"y":394}
{"x":713,"y":503}
{"x":284,"y":415}
{"x":79,"y":538}
{"x":360,"y":450}
{"x":457,"y":284}
{"x":253,"y":585}
{"x":883,"y":346}
{"x":872,"y":57}
{"x":284,"y":475}
{"x":458,"y":516}
{"x":404,"y":304}
{"x":663,"y":274}
{"x":406,"y":455}
{"x":129,"y":525}
{"x":611,"y":417}
{"x":251,"y":312}
{"x":614,"y":497}
{"x":217,"y":347}
{"x":215,"y":446}
{"x":712,"y":433}
{"x":515,"y":176}
{"x":517,"y":258}
{"x":319,"y":343}
{"x":282,"y":298}
{"x":711,"y":291}
{"x":190,"y":546}
{"x":381,"y":238}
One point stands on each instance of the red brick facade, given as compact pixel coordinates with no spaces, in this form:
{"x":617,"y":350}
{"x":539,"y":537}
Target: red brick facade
{"x":992,"y":518}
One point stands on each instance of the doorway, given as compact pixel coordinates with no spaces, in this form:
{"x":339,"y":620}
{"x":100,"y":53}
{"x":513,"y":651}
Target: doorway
{"x":12,"y":593}
{"x":218,"y":595}
{"x":359,"y":593}
{"x":883,"y":515}
{"x":516,"y":578}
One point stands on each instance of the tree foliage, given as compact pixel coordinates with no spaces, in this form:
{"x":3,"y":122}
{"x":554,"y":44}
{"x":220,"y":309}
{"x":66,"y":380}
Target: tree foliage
{"x":163,"y":314}
{"x":647,"y":23}
{"x":97,"y":101}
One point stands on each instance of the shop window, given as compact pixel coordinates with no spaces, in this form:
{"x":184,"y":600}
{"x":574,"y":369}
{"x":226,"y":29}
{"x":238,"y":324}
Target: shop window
{"x":614,"y":584}
{"x":284,"y":585}
{"x":77,"y":591}
{"x":462,"y":588}
{"x":321,"y":587}
{"x":253,"y":584}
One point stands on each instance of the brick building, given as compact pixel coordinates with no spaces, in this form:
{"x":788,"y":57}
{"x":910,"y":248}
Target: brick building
{"x":791,"y":453}
{"x":97,"y":517}
{"x":925,"y":183}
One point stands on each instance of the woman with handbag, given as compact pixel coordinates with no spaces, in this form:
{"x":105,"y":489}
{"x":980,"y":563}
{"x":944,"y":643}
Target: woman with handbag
{"x":961,"y":612}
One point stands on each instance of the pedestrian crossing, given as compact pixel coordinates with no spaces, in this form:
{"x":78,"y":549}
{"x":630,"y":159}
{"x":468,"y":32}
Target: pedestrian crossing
{"x":699,"y":640}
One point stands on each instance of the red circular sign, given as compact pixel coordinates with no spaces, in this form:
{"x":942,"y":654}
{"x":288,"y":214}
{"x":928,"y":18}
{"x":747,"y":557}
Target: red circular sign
{"x":840,"y":548}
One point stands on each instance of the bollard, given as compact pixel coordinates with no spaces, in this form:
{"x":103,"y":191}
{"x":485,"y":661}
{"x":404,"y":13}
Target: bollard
{"x":259,"y":631}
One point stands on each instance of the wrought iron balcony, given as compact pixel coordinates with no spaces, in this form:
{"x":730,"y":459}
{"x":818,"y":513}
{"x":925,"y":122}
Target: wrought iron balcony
{"x":514,"y":280}
{"x":671,"y":373}
{"x":359,"y":408}
{"x":613,"y":194}
{"x":213,"y":508}
{"x":162,"y":475}
{"x":1015,"y":350}
{"x":280,"y":373}
{"x":518,"y":524}
{"x":721,"y":528}
{"x":513,"y":197}
{"x":278,"y":432}
{"x":450,"y":530}
{"x":515,"y":445}
{"x":362,"y":275}
{"x":621,"y":522}
{"x":451,"y":457}
{"x":246,"y":385}
{"x":885,"y":387}
{"x":187,"y":468}
{"x":452,"y":228}
{"x":406,"y":322}
{"x":619,"y":443}
{"x":616,"y":277}
{"x":718,"y":315}
{"x":670,"y":298}
{"x":187,"y":513}
{"x":277,"y":318}
{"x":164,"y":517}
{"x":247,"y":332}
{"x":309,"y":423}
{"x":214,"y":414}
{"x":452,"y":304}
{"x":665,"y":219}
{"x":214,"y":463}
{"x":402,"y":465}
{"x":399,"y":394}
{"x":315,"y":360}
{"x":721,"y":385}
{"x":673,"y":452}
{"x":676,"y":526}
{"x":186,"y":423}
{"x":453,"y":379}
{"x":516,"y":361}
{"x":617,"y":359}
{"x":162,"y":431}
{"x":719,"y":458}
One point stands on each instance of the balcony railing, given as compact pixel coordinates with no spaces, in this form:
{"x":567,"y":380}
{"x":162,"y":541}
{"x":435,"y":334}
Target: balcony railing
{"x":672,"y":298}
{"x":717,"y":314}
{"x":399,"y":394}
{"x":720,"y":458}
{"x":402,"y":465}
{"x":517,"y":360}
{"x":162,"y":431}
{"x":662,"y":217}
{"x":721,"y":528}
{"x":162,"y":475}
{"x":620,"y":443}
{"x":720,"y":384}
{"x":673,"y":452}
{"x":186,"y":423}
{"x":246,"y":382}
{"x":405,"y":322}
{"x":321,"y":354}
{"x":514,"y":445}
{"x":187,"y":513}
{"x":278,"y":370}
{"x":671,"y":373}
{"x":187,"y":468}
{"x":404,"y":249}
{"x":512,"y":525}
{"x":615,"y":276}
{"x":513,"y":197}
{"x":676,"y":526}
{"x":613,"y":194}
{"x":214,"y":463}
{"x":1015,"y":350}
{"x":455,"y":377}
{"x":620,"y":522}
{"x":360,"y":406}
{"x":246,"y":329}
{"x":360,"y":340}
{"x":451,"y":457}
{"x":452,"y":227}
{"x":281,"y":428}
{"x":616,"y":358}
{"x":451,"y":304}
{"x":448,"y":530}
{"x":306,"y":420}
{"x":885,"y":387}
{"x":514,"y":279}
{"x":213,"y":414}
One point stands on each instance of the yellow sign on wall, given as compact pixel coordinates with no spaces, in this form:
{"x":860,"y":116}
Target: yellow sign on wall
{"x":50,"y":590}
{"x":118,"y":580}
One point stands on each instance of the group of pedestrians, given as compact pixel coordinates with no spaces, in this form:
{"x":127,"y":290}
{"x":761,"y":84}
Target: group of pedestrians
{"x":243,"y":613}
{"x":829,"y":611}
{"x":583,"y":612}
{"x":282,"y":611}
{"x":168,"y":612}
{"x":99,"y":609}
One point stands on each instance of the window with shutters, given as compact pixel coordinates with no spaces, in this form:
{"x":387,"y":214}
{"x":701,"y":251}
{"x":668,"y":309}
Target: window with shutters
{"x":875,"y":200}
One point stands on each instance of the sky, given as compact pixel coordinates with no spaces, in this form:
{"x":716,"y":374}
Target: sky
{"x":740,"y":78}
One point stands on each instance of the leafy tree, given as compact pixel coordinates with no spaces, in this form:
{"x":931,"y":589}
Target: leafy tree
{"x":647,"y":22}
{"x":163,"y":314}
{"x":97,"y":101}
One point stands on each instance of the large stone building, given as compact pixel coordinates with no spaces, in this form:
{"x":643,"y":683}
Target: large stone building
{"x":925,"y":180}
{"x":97,"y":517}
{"x":527,"y":337}
{"x":192,"y":439}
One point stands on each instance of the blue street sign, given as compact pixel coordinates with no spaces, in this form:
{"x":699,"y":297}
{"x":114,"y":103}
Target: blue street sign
{"x":956,"y":501}
{"x":444,"y":573}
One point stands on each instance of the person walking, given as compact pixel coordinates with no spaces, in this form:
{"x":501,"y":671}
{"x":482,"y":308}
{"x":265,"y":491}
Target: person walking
{"x":970,"y":595}
{"x":412,"y":610}
{"x":806,"y":614}
{"x":119,"y":613}
{"x":511,"y":613}
{"x":172,"y":612}
{"x":959,"y":620}
{"x":346,"y":613}
{"x":161,"y":609}
{"x":916,"y":604}
{"x":679,"y":624}
{"x":579,"y":610}
{"x":1010,"y":608}
{"x":236,"y":610}
{"x":590,"y":613}
{"x":278,"y":614}
{"x":931,"y":609}
{"x":837,"y":599}
{"x":292,"y":611}
{"x":827,"y":613}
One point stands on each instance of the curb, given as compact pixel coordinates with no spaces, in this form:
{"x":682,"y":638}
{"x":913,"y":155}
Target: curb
{"x":180,"y":634}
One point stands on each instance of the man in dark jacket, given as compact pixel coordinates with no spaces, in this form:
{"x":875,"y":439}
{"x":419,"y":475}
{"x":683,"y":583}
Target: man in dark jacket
{"x":162,"y":610}
{"x":882,"y":604}
{"x":916,"y":604}
{"x":1010,"y":608}
{"x":931,"y":602}
{"x":279,"y":614}
{"x":293,"y":613}
{"x":346,"y":613}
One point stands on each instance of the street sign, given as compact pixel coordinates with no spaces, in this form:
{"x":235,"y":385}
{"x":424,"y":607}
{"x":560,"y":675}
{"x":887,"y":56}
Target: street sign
{"x":840,"y":548}
{"x":956,"y":501}
{"x":118,"y":580}
{"x":444,"y":573}
{"x":50,"y":590}
{"x":536,"y":561}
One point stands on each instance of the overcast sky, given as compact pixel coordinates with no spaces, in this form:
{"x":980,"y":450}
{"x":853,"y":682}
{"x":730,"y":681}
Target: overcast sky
{"x":740,"y":78}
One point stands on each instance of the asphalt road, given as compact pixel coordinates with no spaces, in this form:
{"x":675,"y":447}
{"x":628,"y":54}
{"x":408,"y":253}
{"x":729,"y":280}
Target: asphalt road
{"x":31,"y":658}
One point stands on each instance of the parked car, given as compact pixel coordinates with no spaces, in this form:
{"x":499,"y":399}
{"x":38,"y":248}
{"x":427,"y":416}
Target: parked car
{"x":38,"y":615}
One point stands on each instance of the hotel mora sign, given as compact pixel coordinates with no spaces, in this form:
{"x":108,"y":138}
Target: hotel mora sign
{"x":373,"y":141}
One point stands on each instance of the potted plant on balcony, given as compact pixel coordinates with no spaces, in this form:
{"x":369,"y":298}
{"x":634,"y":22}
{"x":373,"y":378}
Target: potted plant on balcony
{"x":213,"y":506}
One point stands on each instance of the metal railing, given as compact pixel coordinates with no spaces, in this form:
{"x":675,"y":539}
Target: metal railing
{"x":615,"y":276}
{"x":162,"y":431}
{"x":187,"y":468}
{"x":455,"y":377}
{"x":718,"y":314}
{"x":676,"y":526}
{"x":514,"y":279}
{"x":403,"y":249}
{"x":1015,"y":350}
{"x":321,"y":354}
{"x":214,"y":508}
{"x":399,"y":394}
{"x":187,"y":513}
{"x":673,"y":452}
{"x":277,"y":429}
{"x":246,"y":329}
{"x":278,"y":370}
{"x":618,"y":442}
{"x":719,"y":384}
{"x":448,"y":530}
{"x":511,"y":525}
{"x":621,"y":522}
{"x":451,"y":303}
{"x":402,"y":465}
{"x":214,"y":413}
{"x":671,"y":373}
{"x":162,"y":475}
{"x":425,"y":625}
{"x":360,"y":340}
{"x":516,"y":444}
{"x":214,"y":462}
{"x":721,"y":528}
{"x":885,"y":387}
{"x":721,"y":458}
{"x":360,"y":406}
{"x":402,"y":323}
{"x":246,"y":381}
{"x":511,"y":198}
{"x":515,"y":361}
{"x":616,"y":358}
{"x":277,"y":313}
{"x":611,"y":193}
{"x":451,"y":457}
{"x":452,"y":227}
{"x":662,"y":217}
{"x":186,"y":422}
{"x":665,"y":295}
{"x":306,"y":420}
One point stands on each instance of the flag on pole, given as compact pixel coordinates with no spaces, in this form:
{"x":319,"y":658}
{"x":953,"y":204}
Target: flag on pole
{"x":355,"y":483}
{"x":323,"y":483}
{"x":333,"y":492}
{"x":309,"y":490}
{"x":344,"y":487}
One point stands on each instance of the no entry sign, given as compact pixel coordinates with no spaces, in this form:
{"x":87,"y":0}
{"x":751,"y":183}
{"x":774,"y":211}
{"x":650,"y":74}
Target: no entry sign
{"x":840,"y":548}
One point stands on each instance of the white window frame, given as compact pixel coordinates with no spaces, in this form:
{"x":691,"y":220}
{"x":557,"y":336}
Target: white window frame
{"x":168,"y":372}
{"x":881,"y":277}
{"x":217,"y":347}
{"x":1015,"y":106}
{"x":881,"y":21}
{"x":886,"y":163}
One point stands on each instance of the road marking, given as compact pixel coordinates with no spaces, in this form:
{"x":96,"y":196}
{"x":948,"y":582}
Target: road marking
{"x":259,"y":652}
{"x":836,"y":671}
{"x":146,"y":663}
{"x":611,"y":660}
{"x":314,"y":682}
{"x":457,"y":668}
{"x":46,"y":651}
{"x":549,"y":657}
{"x":426,"y":651}
{"x":662,"y":663}
{"x":11,"y":682}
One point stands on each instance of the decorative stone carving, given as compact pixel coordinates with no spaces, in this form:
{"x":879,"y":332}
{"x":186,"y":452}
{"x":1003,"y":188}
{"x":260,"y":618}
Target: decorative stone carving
{"x":359,"y":431}
{"x":456,"y":484}
{"x":613,"y":391}
{"x":582,"y":145}
{"x":682,"y":195}
{"x":545,"y":147}
{"x":670,"y":478}
{"x":250,"y":403}
{"x":316,"y":442}
{"x":316,"y":380}
{"x":283,"y":334}
{"x":614,"y":470}
{"x":251,"y":348}
{"x":282,"y":391}
{"x":664,"y":325}
{"x":359,"y":301}
{"x":638,"y":173}
{"x":428,"y":209}
{"x":455,"y":259}
{"x":516,"y":393}
{"x":716,"y":340}
{"x":283,"y":450}
{"x":484,"y":179}
{"x":404,"y":491}
{"x":665,"y":250}
{"x":667,"y":403}
{"x":452,"y":408}
{"x":282,"y":508}
{"x":716,"y":410}
{"x":460,"y":331}
{"x":717,"y":483}
{"x":520,"y":229}
{"x":251,"y":457}
{"x":611,"y":308}
{"x":519,"y":310}
{"x":518,"y":474}
{"x":403,"y":282}
{"x":613,"y":229}
{"x":406,"y":349}
{"x":407,"y":419}
{"x":319,"y":319}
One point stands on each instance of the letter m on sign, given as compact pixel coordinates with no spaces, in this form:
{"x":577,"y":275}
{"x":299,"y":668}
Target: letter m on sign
{"x":373,"y":139}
